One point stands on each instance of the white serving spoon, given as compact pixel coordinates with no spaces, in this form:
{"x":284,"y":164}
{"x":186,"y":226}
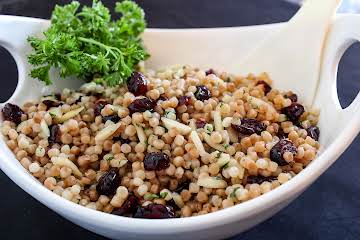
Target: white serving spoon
{"x":294,"y":53}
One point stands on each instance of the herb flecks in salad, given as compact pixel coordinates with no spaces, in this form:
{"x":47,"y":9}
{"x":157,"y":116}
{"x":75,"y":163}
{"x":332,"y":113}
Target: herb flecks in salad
{"x":88,"y":44}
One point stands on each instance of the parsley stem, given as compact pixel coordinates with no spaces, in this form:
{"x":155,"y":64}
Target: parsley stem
{"x":107,"y":48}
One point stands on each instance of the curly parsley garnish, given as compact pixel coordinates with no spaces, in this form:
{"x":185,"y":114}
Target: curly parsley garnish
{"x":87,"y":44}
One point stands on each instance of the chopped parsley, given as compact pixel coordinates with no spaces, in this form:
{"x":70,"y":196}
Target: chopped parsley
{"x":226,"y":165}
{"x":209,"y":128}
{"x":150,"y":196}
{"x":163,"y":194}
{"x":232,"y":195}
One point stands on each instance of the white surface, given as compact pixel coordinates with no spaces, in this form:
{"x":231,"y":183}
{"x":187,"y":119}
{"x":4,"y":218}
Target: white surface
{"x":202,"y":48}
{"x":298,"y":46}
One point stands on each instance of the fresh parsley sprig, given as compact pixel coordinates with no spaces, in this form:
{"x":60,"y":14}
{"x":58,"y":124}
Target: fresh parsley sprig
{"x":86,"y":43}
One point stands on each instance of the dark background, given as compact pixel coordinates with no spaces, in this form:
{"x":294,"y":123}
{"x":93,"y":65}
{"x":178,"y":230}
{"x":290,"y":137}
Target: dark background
{"x":330,"y":209}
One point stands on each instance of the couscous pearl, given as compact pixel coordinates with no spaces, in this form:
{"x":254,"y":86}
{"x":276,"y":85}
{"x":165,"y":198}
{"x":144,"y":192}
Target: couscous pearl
{"x":262,"y":163}
{"x":122,"y":192}
{"x":227,"y":203}
{"x":284,"y":177}
{"x":34,"y":167}
{"x":75,"y":189}
{"x":233,"y":171}
{"x":67,"y":194}
{"x":125,"y":148}
{"x":137,"y":182}
{"x":142,"y":190}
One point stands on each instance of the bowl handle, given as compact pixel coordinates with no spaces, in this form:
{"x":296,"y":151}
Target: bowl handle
{"x":14,"y":32}
{"x":344,"y":32}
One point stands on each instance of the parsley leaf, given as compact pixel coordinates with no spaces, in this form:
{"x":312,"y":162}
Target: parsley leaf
{"x":150,"y":196}
{"x":86,"y":43}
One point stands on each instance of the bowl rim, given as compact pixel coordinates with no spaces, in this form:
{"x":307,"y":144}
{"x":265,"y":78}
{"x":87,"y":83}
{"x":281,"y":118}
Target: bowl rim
{"x":29,"y":184}
{"x":296,"y":185}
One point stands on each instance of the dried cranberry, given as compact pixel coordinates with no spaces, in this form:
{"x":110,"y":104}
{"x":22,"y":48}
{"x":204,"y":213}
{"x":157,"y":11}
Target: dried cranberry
{"x":156,"y":161}
{"x":50,"y":103}
{"x":294,"y":111}
{"x":108,"y":182}
{"x":162,"y":97}
{"x":202,"y":93}
{"x":293,"y":97}
{"x":141,"y":105}
{"x":183,"y":185}
{"x":278,"y":150}
{"x":313,"y":132}
{"x":210,"y":71}
{"x":260,"y":179}
{"x":249,"y":126}
{"x":121,"y":140}
{"x":99,"y":105}
{"x":266,"y":86}
{"x":200,"y":123}
{"x":184,"y":100}
{"x":114,"y":118}
{"x":55,"y":134}
{"x":154,"y":211}
{"x":129,"y":207}
{"x":137,"y":84}
{"x":172,"y":204}
{"x":12,"y":112}
{"x":298,"y":124}
{"x":57,"y":96}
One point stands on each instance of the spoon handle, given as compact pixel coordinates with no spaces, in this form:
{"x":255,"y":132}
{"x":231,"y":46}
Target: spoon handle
{"x":315,"y":9}
{"x":292,"y":56}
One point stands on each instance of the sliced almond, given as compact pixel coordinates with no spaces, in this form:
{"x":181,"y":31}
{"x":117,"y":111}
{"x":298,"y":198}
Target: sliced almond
{"x":65,"y":162}
{"x":169,"y":124}
{"x":242,"y":172}
{"x":233,"y":135}
{"x":140,"y":133}
{"x":44,"y":128}
{"x":107,"y":132}
{"x":68,"y":115}
{"x":192,"y":124}
{"x":217,"y":121}
{"x":216,"y":146}
{"x":211,"y":182}
{"x":198,"y":144}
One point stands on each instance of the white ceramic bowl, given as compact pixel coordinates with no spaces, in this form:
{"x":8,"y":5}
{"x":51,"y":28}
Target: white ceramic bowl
{"x":220,"y":48}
